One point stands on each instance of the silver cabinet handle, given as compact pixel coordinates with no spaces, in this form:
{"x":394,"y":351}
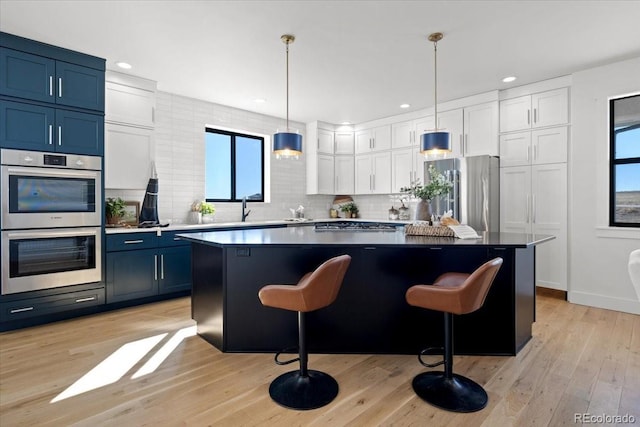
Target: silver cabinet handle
{"x":528,"y":207}
{"x":155,"y":267}
{"x":535,"y":115}
{"x":535,"y":152}
{"x":20,"y":310}
{"x":528,"y":117}
{"x":132,"y":242}
{"x":466,"y":144}
{"x":50,"y":85}
{"x":318,"y":143}
{"x":370,"y":183}
{"x":336,"y":189}
{"x":59,"y":87}
{"x":533,"y":208}
{"x":374,"y":182}
{"x":528,"y":152}
{"x":85,"y":299}
{"x":59,"y":135}
{"x":461,"y":144}
{"x":50,"y":134}
{"x":162,"y":267}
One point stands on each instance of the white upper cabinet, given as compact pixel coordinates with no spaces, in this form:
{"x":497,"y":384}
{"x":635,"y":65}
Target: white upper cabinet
{"x":453,"y":122}
{"x":344,"y":175}
{"x":325,"y":174}
{"x":344,"y":142}
{"x":129,"y":100}
{"x":325,"y":141}
{"x":373,"y":173}
{"x":550,"y":108}
{"x":541,"y":146}
{"x":402,"y":134}
{"x":376,"y":139}
{"x":481,"y":130}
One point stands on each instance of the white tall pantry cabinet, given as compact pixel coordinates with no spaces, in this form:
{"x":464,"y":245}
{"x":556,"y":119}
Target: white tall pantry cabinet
{"x":533,"y":176}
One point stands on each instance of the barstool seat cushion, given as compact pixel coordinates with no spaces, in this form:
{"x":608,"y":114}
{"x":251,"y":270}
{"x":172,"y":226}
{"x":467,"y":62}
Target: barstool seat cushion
{"x":457,"y":293}
{"x":315,"y":290}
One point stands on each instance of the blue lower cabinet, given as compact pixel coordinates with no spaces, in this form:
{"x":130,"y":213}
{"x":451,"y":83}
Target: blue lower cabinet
{"x":33,"y":307}
{"x":131,"y":275}
{"x":175,"y":269}
{"x":141,"y":265}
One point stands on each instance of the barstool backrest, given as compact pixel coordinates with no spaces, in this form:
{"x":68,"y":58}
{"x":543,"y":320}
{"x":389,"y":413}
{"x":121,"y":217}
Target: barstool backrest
{"x":321,"y":287}
{"x":474,"y":290}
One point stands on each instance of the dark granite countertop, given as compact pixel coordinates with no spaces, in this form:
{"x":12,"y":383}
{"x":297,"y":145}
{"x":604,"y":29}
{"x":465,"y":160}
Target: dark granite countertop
{"x":307,"y":236}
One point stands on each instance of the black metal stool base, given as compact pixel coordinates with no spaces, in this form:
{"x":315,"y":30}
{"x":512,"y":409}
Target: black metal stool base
{"x":294,"y":391}
{"x":456,"y":394}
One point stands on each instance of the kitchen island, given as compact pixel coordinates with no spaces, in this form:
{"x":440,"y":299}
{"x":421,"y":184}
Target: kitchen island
{"x":370,"y":314}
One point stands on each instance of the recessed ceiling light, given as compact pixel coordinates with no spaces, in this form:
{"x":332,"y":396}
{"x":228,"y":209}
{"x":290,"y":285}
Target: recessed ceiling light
{"x":260,"y":100}
{"x":124,"y":65}
{"x":345,"y":123}
{"x":509,"y":79}
{"x":405,"y":105}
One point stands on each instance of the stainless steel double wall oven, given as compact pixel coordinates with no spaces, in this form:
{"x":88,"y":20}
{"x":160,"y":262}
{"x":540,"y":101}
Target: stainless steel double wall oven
{"x":51,"y":220}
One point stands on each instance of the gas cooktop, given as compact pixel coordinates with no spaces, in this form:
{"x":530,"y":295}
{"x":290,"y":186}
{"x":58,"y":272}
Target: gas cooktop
{"x":353,"y":226}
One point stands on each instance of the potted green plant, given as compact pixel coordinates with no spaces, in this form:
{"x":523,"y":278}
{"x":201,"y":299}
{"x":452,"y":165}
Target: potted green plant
{"x":437,"y":186}
{"x":350,"y":209}
{"x":114,"y":210}
{"x":208,"y":211}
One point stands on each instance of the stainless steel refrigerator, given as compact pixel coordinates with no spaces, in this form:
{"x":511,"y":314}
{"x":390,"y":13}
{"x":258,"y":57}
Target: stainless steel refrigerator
{"x":475,"y":196}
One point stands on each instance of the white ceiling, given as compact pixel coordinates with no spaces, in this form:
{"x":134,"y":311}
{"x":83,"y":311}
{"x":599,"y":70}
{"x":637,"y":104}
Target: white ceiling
{"x":351,"y":61}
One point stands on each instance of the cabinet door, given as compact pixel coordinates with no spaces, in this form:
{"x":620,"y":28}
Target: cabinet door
{"x":79,"y":86}
{"x":515,"y":196}
{"x":452,"y":122}
{"x":515,"y":149}
{"x":325,"y":141}
{"x":515,"y":114}
{"x":423,"y":125}
{"x":127,"y":157}
{"x":364,"y":174}
{"x":79,"y":133}
{"x":381,"y":183}
{"x":550,"y":108}
{"x":402,"y":134}
{"x":129,"y":105}
{"x":382,"y":138}
{"x":402,"y":170}
{"x":26,"y":126}
{"x":481,"y":130}
{"x":175,"y":269}
{"x":549,"y":145}
{"x":325,"y":174}
{"x":27,"y":76}
{"x":364,"y":141}
{"x":344,"y":143}
{"x":131,"y":275}
{"x":344,"y":174}
{"x":549,"y":216}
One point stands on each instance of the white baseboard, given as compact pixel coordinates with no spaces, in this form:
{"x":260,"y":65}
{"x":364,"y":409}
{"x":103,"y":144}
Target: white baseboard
{"x":603,"y":301}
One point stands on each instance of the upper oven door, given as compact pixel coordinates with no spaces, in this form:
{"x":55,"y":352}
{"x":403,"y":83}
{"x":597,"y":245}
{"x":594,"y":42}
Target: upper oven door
{"x":34,"y":197}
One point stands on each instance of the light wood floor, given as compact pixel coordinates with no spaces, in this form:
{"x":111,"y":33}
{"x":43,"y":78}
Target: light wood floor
{"x":580,"y":360}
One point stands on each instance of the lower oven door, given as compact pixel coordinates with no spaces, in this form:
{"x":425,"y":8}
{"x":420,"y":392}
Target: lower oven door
{"x":50,"y":258}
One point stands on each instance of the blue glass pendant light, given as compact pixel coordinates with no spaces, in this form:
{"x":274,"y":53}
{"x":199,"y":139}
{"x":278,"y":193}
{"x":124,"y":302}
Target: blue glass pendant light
{"x":287,"y":144}
{"x":435,"y":144}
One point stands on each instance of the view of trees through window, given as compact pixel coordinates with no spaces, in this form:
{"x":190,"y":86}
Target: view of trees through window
{"x":234,"y":166}
{"x":625,"y":161}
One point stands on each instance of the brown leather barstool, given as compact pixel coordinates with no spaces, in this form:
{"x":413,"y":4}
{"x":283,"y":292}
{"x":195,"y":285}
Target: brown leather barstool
{"x":452,"y":293}
{"x":305,"y":389}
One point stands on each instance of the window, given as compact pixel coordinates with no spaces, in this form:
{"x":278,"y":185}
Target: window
{"x":234,"y":166}
{"x":624,"y":169}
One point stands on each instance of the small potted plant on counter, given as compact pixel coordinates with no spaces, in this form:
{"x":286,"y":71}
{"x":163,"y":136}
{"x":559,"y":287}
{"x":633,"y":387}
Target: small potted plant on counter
{"x":350,"y":209}
{"x":114,"y":210}
{"x":208,"y":211}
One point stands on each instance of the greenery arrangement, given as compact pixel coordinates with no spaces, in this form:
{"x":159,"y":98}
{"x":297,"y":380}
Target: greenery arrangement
{"x":351,"y":208}
{"x":114,"y":207}
{"x":438,"y":186}
{"x":205,"y":208}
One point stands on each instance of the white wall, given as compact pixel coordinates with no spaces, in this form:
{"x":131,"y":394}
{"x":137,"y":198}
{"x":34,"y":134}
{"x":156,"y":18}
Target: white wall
{"x":598,"y":255}
{"x":179,"y":157}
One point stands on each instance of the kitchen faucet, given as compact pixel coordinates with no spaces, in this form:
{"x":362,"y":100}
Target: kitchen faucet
{"x":245,"y":212}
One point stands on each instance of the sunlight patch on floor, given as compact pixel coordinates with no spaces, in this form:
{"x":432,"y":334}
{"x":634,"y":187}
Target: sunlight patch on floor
{"x":164,"y":352}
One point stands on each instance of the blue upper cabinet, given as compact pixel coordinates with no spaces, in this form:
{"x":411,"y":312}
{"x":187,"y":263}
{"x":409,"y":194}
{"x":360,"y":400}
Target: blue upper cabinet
{"x":79,"y":133}
{"x":38,"y":78}
{"x":27,"y":76}
{"x":79,"y":86}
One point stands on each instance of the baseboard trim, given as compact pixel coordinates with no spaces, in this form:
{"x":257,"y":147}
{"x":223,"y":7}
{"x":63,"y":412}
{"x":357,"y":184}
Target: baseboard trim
{"x":603,"y":301}
{"x":552,"y":293}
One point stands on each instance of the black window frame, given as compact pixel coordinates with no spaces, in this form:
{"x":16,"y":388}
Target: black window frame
{"x":233,"y":136}
{"x":613,"y":162}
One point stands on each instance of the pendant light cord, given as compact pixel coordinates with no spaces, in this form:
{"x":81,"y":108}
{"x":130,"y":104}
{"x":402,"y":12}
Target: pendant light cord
{"x":287,"y":43}
{"x":435,"y":79}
